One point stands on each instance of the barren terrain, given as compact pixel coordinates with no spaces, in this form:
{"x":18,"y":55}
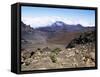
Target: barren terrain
{"x":57,"y":49}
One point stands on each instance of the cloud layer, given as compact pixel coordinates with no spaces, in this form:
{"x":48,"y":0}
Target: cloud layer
{"x":48,"y":20}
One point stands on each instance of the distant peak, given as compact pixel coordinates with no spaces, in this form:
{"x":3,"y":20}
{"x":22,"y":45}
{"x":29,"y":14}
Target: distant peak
{"x":79,"y":25}
{"x":59,"y":23}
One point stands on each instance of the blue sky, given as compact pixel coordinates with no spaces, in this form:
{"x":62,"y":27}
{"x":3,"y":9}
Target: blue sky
{"x":39,"y":16}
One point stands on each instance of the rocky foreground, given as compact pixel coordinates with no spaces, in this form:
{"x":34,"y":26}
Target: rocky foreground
{"x":82,"y":55}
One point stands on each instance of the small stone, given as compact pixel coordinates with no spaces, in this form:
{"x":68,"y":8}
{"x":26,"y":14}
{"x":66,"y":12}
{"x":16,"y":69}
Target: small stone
{"x":73,"y":48}
{"x":83,"y":58}
{"x":85,"y":50}
{"x":46,"y":49}
{"x":25,"y":55}
{"x":28,"y":61}
{"x":77,"y":51}
{"x":23,"y":64}
{"x":34,"y":61}
{"x":22,"y":59}
{"x":75,"y":64}
{"x":68,"y":49}
{"x":92,"y":54}
{"x":71,"y":53}
{"x":88,"y":62}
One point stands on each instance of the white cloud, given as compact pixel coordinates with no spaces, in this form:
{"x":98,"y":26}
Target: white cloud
{"x":43,"y":21}
{"x":39,"y":21}
{"x":48,"y":20}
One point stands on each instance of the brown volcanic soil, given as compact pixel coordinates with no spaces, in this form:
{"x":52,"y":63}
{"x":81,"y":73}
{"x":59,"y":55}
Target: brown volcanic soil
{"x":63,"y":37}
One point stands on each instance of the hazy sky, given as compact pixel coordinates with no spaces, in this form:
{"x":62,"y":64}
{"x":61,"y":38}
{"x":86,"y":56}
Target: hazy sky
{"x":39,"y":16}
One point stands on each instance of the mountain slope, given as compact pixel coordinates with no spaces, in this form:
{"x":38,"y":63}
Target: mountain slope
{"x":61,"y":26}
